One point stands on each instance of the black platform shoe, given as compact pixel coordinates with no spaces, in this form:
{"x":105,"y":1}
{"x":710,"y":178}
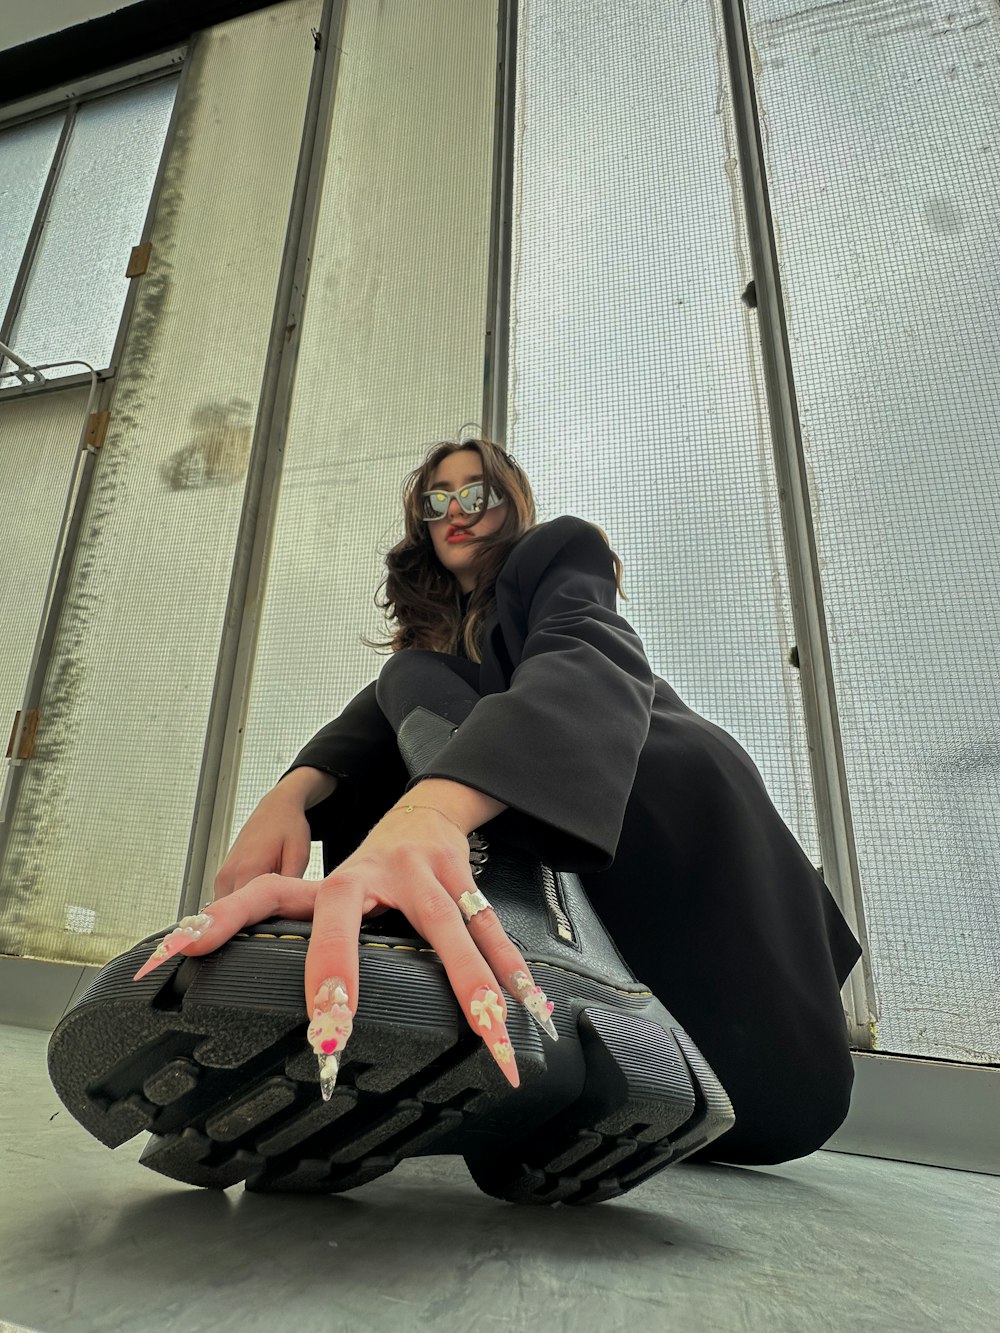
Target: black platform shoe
{"x":210,"y":1055}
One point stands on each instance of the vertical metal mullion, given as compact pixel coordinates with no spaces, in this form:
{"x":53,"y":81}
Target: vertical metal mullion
{"x":216,"y":796}
{"x":35,"y":234}
{"x":836,"y":834}
{"x":497,"y":348}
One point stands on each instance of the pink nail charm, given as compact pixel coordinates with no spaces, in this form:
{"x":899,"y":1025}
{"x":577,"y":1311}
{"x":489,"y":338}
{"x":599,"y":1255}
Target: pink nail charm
{"x":534,"y":999}
{"x":488,"y":1015}
{"x":188,"y":929}
{"x":332,"y":1024}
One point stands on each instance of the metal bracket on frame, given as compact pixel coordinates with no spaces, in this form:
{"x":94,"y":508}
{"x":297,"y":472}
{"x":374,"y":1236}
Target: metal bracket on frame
{"x":97,"y":429}
{"x":138,"y":260}
{"x":26,"y":745}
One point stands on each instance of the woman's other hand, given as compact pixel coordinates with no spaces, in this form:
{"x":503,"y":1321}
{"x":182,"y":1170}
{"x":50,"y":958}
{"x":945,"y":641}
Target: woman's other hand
{"x":276,"y":838}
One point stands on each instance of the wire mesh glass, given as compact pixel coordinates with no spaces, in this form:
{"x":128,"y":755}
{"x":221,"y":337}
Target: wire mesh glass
{"x":101,"y":827}
{"x":880,"y":134}
{"x":72,"y":305}
{"x":391,"y":354}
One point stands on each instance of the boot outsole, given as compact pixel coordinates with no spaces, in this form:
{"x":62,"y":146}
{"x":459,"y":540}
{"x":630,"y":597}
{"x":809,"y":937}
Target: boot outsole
{"x":209,"y":1056}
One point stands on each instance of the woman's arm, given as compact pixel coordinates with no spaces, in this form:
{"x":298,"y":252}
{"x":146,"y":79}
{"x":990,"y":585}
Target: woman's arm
{"x":561,"y":745}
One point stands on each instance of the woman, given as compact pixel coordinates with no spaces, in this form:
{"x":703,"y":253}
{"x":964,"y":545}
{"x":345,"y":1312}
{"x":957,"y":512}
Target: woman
{"x":563,"y":745}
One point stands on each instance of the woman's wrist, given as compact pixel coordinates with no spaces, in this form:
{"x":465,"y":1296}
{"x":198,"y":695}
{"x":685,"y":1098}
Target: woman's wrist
{"x":466,"y":807}
{"x":306,"y":785}
{"x":407,"y":807}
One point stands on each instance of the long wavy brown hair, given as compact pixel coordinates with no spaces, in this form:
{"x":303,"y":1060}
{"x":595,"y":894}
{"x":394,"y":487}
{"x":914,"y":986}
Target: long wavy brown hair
{"x":421,"y":596}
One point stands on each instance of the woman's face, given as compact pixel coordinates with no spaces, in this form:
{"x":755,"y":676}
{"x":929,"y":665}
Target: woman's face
{"x":458,"y":555}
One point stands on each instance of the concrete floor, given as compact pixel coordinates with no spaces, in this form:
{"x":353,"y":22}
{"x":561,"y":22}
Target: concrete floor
{"x":91,"y":1242}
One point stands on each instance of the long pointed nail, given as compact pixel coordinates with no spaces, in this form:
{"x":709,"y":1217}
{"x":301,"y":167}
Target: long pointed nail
{"x":534,"y":999}
{"x":488,"y":1015}
{"x":188,"y":929}
{"x":332,"y":1024}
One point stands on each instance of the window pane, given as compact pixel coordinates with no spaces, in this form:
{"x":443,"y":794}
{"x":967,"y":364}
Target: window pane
{"x":73,"y":303}
{"x":39,"y":439}
{"x":881,"y":141}
{"x":391,"y":356}
{"x":637,"y":397}
{"x":26,"y":153}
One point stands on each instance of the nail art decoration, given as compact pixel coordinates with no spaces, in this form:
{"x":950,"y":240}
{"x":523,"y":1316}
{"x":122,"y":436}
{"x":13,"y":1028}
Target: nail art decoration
{"x":534,"y":999}
{"x":487,"y":1010}
{"x":187,"y":930}
{"x":332,"y":1024}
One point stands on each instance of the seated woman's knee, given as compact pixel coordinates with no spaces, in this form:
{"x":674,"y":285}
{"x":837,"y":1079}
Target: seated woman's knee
{"x":787,"y":1118}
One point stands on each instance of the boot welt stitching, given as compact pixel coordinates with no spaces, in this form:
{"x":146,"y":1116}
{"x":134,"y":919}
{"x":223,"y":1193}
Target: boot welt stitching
{"x":409,"y":948}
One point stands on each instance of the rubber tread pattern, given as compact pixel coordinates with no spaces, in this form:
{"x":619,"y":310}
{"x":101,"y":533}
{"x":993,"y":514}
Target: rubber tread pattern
{"x":209,"y":1056}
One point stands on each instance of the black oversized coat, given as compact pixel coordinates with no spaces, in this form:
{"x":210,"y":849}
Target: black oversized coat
{"x":607,"y":772}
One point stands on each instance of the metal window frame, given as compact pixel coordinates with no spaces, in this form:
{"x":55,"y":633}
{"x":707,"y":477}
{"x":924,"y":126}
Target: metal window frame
{"x":9,"y":316}
{"x":841,"y":870}
{"x":219,"y":777}
{"x":69,"y":100}
{"x":496,"y":353}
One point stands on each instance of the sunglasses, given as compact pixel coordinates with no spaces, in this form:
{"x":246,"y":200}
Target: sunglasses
{"x":434,"y":504}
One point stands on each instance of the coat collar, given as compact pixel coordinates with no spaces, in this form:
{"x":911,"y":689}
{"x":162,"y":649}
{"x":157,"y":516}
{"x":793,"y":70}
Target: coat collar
{"x":506,"y":627}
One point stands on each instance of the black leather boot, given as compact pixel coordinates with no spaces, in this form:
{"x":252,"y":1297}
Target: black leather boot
{"x":210,"y":1055}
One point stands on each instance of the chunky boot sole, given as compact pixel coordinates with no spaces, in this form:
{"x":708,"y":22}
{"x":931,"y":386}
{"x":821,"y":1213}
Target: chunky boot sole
{"x":209,"y":1056}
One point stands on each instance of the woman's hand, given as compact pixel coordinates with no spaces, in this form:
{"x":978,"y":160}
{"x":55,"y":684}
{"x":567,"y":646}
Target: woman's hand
{"x":276,"y":838}
{"x":417,"y":862}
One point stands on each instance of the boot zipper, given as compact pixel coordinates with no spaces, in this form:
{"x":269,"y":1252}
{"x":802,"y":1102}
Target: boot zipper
{"x":479,"y":854}
{"x":562,"y":923}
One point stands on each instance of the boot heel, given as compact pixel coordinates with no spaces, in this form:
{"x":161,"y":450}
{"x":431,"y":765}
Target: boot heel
{"x":649,"y":1100}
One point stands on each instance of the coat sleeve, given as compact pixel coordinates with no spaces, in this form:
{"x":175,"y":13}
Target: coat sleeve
{"x":359,"y":748}
{"x":561,"y":745}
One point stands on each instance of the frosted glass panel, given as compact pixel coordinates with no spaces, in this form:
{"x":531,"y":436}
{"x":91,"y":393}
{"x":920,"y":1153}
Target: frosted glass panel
{"x":637,"y":396}
{"x":882,"y":145}
{"x":26,"y":153}
{"x":39,"y":438}
{"x":391,"y":355}
{"x":102,"y":822}
{"x":73,"y":303}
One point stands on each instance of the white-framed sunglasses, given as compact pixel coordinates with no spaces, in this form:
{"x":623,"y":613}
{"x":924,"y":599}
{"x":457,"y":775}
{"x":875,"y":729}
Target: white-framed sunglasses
{"x":434,"y":504}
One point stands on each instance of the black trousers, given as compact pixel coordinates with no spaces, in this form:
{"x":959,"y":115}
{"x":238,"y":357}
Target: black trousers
{"x":789,"y":1077}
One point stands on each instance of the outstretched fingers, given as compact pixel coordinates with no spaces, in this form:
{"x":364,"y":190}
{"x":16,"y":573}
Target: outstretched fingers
{"x":263,"y":897}
{"x":437,"y":917}
{"x":453,"y":916}
{"x":331,"y":975}
{"x":486,"y":931}
{"x":475,"y":951}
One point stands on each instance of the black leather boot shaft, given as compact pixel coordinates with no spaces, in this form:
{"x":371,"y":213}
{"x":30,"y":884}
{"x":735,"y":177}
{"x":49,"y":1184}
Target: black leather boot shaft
{"x":546,"y":912}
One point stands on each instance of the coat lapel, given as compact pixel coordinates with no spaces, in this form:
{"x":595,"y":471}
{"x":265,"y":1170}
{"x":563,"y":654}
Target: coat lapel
{"x":506,"y":628}
{"x":497,"y":665}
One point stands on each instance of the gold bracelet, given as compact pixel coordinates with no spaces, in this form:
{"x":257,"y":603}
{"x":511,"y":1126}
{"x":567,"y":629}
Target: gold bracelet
{"x":409,"y":808}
